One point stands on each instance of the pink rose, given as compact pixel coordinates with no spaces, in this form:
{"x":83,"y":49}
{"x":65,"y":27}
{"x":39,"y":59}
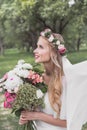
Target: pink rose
{"x":61,"y":49}
{"x":7,"y":94}
{"x":7,"y":104}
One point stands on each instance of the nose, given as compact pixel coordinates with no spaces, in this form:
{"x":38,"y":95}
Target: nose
{"x":35,"y":50}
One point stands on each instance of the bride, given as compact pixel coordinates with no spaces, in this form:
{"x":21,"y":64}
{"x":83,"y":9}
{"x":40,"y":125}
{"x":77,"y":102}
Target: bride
{"x":53,"y":116}
{"x":66,"y":95}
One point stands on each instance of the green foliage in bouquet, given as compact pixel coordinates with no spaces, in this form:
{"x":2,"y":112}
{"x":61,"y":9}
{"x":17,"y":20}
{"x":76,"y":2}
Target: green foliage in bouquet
{"x":29,"y":98}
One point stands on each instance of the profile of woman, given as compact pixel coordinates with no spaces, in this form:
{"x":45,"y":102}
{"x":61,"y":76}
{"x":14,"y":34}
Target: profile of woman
{"x":50,"y":50}
{"x":65,"y":82}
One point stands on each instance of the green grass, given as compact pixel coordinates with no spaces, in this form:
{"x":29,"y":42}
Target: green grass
{"x":77,"y":57}
{"x":10,"y":59}
{"x":8,"y":121}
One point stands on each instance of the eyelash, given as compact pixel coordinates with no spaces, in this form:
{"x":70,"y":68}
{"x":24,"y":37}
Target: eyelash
{"x":40,"y":46}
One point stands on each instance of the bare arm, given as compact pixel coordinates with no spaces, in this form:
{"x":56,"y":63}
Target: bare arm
{"x":51,"y":120}
{"x":42,"y":117}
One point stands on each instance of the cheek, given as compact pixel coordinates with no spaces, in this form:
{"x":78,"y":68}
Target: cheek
{"x":45,"y":57}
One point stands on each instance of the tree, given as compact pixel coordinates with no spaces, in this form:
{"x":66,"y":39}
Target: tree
{"x":22,"y":20}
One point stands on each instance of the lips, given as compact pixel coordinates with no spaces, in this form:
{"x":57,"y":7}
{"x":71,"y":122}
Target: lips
{"x":36,"y":56}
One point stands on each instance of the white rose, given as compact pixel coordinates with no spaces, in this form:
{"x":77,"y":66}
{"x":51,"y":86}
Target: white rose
{"x":51,"y":38}
{"x":61,"y":46}
{"x":27,"y":66}
{"x":42,"y":34}
{"x":22,"y":73}
{"x":21,"y":62}
{"x":12,"y":82}
{"x":39,"y":93}
{"x":58,"y":42}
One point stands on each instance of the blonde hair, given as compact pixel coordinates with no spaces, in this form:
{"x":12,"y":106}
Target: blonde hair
{"x":55,"y":69}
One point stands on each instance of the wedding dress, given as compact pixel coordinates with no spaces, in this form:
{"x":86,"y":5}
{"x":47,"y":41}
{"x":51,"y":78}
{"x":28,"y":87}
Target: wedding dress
{"x":74,"y":98}
{"x":49,"y":110}
{"x":76,"y":78}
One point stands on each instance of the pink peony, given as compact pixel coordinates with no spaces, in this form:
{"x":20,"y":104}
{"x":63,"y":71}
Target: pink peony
{"x":7,"y":105}
{"x":61,"y":49}
{"x":9,"y":99}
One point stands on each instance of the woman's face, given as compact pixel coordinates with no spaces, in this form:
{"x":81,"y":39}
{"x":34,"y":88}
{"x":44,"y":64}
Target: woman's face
{"x":42,"y":52}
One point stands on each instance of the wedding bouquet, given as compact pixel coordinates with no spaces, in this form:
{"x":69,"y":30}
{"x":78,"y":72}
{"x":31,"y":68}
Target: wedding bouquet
{"x":23,"y":89}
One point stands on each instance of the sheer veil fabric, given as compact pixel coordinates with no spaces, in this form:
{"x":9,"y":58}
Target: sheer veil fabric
{"x":76,"y":78}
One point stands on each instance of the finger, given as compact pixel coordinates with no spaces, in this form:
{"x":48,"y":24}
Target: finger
{"x":23,"y":112}
{"x":22,"y":122}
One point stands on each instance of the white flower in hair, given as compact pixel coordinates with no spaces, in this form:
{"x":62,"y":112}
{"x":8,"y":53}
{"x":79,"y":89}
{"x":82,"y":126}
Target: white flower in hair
{"x":61,"y":49}
{"x":51,"y":38}
{"x":61,"y":46}
{"x":42,"y":34}
{"x":58,"y":43}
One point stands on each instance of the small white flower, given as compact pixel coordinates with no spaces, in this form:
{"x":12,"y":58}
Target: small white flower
{"x":12,"y":82}
{"x":61,"y":46}
{"x":21,"y":62}
{"x":22,"y":73}
{"x":27,"y":66}
{"x":39,"y":93}
{"x":11,"y":73}
{"x":51,"y":38}
{"x":16,"y":89}
{"x":58,"y":43}
{"x":47,"y":30}
{"x":42,"y":34}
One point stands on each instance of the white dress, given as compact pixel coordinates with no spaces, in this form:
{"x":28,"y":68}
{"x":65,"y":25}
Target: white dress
{"x":76,"y":77}
{"x":48,"y":109}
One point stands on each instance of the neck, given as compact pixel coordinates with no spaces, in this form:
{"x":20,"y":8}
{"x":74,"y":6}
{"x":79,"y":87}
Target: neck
{"x":48,"y":66}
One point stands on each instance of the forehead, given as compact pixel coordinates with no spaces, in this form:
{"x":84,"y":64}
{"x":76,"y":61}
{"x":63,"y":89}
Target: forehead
{"x":42,"y":41}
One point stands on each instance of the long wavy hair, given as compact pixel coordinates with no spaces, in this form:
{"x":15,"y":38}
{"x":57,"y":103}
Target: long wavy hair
{"x":55,"y":70}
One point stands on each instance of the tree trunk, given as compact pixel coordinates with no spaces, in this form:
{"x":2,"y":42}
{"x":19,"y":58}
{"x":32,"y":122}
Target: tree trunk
{"x":1,"y":48}
{"x":78,"y":43}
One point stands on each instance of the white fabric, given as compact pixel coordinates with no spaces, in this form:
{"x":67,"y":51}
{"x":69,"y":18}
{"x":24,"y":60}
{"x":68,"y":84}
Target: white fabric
{"x":48,"y":109}
{"x":76,"y":77}
{"x":74,"y":105}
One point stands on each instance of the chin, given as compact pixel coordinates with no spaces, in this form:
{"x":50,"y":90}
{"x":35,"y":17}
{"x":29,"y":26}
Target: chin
{"x":37,"y":61}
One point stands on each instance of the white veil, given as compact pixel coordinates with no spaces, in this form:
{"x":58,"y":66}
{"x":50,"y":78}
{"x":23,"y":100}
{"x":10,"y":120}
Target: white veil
{"x":76,"y":77}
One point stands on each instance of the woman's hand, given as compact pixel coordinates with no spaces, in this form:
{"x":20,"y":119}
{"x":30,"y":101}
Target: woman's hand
{"x":22,"y":121}
{"x":26,"y":116}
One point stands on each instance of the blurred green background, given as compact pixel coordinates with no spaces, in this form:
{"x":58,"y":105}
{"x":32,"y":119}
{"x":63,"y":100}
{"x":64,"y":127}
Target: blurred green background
{"x":21,"y":22}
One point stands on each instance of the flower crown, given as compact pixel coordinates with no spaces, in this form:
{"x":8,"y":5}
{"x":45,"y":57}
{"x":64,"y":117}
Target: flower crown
{"x":47,"y":33}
